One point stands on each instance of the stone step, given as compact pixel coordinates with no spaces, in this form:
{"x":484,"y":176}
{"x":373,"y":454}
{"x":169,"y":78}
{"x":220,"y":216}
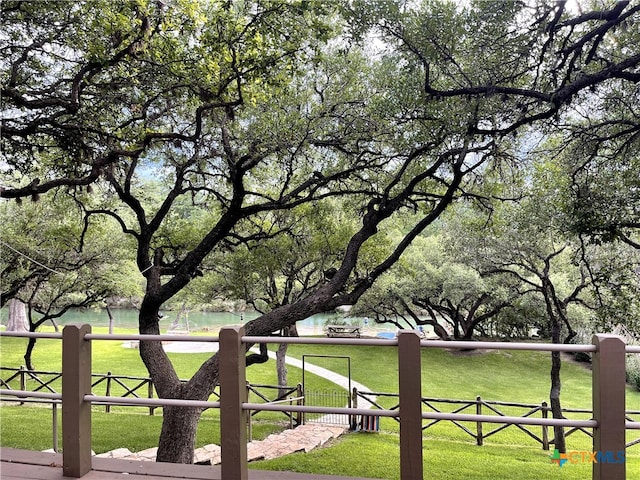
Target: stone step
{"x":301,"y":439}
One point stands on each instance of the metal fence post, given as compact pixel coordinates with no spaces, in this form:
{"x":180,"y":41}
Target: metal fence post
{"x":107,"y":408}
{"x":23,"y":381}
{"x":150,"y":394}
{"x":608,"y":389}
{"x":479,"y":439}
{"x":54,"y":421}
{"x":545,"y":429}
{"x":299,"y":402}
{"x":76,"y":413}
{"x":233,"y":392}
{"x":353,"y":423}
{"x":248,"y":414}
{"x":410,"y":390}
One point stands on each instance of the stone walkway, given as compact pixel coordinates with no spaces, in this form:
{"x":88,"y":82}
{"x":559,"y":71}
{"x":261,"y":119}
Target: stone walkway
{"x":301,"y":439}
{"x":304,"y":438}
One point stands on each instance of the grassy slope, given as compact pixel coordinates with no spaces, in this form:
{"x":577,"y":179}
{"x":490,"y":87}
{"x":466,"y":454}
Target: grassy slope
{"x":449,"y":453}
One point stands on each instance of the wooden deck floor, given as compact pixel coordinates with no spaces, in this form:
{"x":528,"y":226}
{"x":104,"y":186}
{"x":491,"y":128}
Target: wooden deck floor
{"x":27,"y":465}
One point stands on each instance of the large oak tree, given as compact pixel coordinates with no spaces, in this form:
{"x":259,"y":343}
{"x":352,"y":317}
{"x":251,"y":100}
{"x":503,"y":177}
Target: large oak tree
{"x":247,"y":108}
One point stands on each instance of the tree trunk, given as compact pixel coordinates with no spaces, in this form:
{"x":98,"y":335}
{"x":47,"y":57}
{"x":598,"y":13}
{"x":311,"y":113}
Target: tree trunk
{"x":17,"y":321}
{"x":554,"y":395}
{"x":179,"y":424}
{"x":28,"y":353}
{"x":441,"y":331}
{"x":178,"y":435}
{"x":468,"y":329}
{"x":281,"y":366}
{"x":55,"y":325}
{"x":281,"y":369}
{"x":110,"y":315}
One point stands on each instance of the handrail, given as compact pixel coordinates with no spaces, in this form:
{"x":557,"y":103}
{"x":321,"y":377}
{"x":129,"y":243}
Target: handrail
{"x":31,"y":334}
{"x":159,"y":402}
{"x":453,"y":344}
{"x":151,"y":338}
{"x":30,"y":394}
{"x":275,"y":406}
{"x":607,"y":378}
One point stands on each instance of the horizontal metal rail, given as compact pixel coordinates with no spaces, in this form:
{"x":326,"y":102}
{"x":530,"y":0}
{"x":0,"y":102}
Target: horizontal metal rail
{"x":426,"y":415}
{"x":31,"y":400}
{"x":30,"y":394}
{"x":455,"y":344}
{"x":103,"y":400}
{"x":312,"y":409}
{"x":275,"y":406}
{"x":31,"y":335}
{"x":159,"y":402}
{"x":151,"y":338}
{"x":546,"y":347}
{"x":550,"y":422}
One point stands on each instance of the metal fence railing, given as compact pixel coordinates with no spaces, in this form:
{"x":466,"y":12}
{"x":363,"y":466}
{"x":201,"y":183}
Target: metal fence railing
{"x":609,"y":421}
{"x":480,"y":406}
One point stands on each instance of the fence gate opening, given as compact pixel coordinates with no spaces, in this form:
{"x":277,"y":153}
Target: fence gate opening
{"x":316,"y":396}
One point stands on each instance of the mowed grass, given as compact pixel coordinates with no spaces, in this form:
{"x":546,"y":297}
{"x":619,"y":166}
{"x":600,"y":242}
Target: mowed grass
{"x":30,"y":427}
{"x":449,"y":453}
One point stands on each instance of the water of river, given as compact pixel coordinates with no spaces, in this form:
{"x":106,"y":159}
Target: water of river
{"x":198,"y":321}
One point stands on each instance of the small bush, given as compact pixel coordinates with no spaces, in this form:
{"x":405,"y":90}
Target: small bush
{"x":582,"y":337}
{"x":633,"y":370}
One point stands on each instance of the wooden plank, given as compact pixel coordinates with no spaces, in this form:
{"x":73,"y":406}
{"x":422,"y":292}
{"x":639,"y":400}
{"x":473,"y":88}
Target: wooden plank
{"x":171,"y":470}
{"x":30,"y":472}
{"x":16,"y":455}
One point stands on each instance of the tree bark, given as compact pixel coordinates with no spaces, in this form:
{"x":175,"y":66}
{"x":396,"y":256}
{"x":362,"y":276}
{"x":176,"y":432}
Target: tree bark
{"x":556,"y":407}
{"x":17,"y":321}
{"x":179,"y":424}
{"x":28,"y":353}
{"x":556,"y":386}
{"x":178,"y":434}
{"x":281,"y":365}
{"x":110,"y":315}
{"x":440,"y":331}
{"x":281,"y":369}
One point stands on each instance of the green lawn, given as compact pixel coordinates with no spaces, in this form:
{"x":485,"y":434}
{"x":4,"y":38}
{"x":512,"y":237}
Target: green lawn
{"x":512,"y":376}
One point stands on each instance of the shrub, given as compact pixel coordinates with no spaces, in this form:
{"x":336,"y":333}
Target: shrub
{"x":582,"y":337}
{"x":632,"y":365}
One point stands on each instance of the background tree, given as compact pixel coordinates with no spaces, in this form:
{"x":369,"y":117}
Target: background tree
{"x":602,"y":158}
{"x":530,"y":242}
{"x":60,"y":263}
{"x":243,"y":109}
{"x":17,"y":316}
{"x":430,"y":287}
{"x":297,"y":253}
